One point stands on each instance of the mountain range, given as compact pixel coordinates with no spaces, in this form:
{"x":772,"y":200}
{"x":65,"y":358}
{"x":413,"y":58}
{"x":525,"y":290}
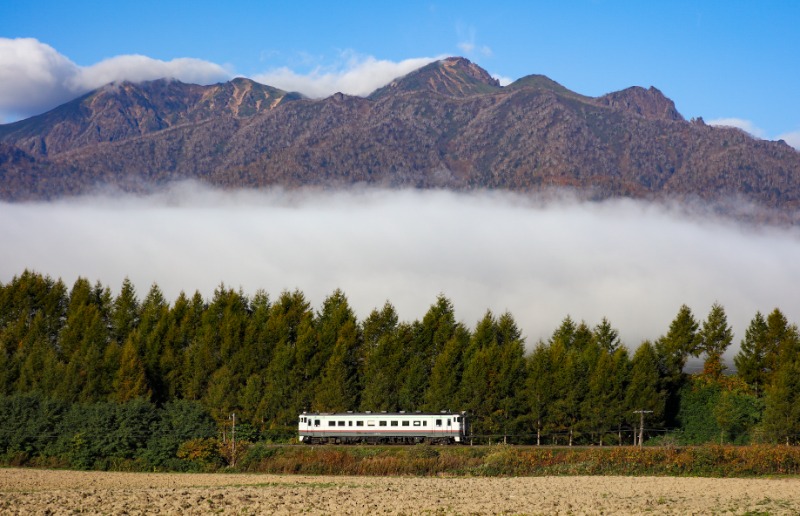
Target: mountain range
{"x":446,"y":125}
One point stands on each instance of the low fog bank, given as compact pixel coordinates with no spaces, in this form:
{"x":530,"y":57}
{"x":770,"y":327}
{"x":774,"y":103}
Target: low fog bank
{"x":630,"y":261}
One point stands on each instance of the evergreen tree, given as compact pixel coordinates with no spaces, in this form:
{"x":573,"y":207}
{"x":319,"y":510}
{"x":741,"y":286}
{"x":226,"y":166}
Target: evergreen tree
{"x":606,"y":336}
{"x":715,"y":337}
{"x":618,"y":388}
{"x":339,"y":356}
{"x":511,"y":374}
{"x":445,"y":383}
{"x":750,"y":362}
{"x":292,"y":371}
{"x":379,"y":324}
{"x":565,"y":333}
{"x":569,"y":384}
{"x":130,"y":381}
{"x":596,"y":413}
{"x":381,"y":360}
{"x":673,"y":350}
{"x":257,"y":348}
{"x":539,"y":388}
{"x":221,"y":396}
{"x":493,"y":375}
{"x":387,"y":343}
{"x":782,"y":403}
{"x":643,"y":390}
{"x":38,"y":367}
{"x":779,"y":335}
{"x":125,"y":313}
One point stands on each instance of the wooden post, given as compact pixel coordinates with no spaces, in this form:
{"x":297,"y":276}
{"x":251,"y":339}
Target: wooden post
{"x":233,"y":440}
{"x":641,"y":423}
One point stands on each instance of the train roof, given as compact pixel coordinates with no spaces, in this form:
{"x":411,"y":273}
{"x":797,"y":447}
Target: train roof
{"x":401,"y":413}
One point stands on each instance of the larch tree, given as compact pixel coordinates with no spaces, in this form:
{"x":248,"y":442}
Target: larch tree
{"x":782,"y":401}
{"x":125,"y":313}
{"x":606,"y":336}
{"x":383,"y":357}
{"x":643,"y":392}
{"x":130,"y":381}
{"x":751,"y":361}
{"x":715,"y":337}
{"x":674,"y":349}
{"x":539,"y":388}
{"x":446,"y":374}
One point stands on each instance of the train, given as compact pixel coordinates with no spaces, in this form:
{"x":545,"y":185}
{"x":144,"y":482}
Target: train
{"x":383,"y":428}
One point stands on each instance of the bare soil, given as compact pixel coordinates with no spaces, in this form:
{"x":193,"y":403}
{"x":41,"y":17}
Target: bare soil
{"x":28,"y":491}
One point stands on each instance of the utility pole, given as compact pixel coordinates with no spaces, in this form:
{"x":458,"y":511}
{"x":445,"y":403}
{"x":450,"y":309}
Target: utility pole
{"x":641,"y":423}
{"x":233,"y":440}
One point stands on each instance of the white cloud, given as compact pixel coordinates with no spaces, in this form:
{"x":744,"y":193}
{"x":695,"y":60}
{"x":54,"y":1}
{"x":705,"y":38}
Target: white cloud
{"x":468,"y":45}
{"x":141,"y":68}
{"x":355,"y":75}
{"x":504,"y":81}
{"x":792,"y":138}
{"x":34,"y":77}
{"x":632,"y":262}
{"x":739,"y":123}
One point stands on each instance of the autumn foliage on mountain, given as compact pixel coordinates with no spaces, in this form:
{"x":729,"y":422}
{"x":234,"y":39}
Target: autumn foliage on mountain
{"x":446,"y":125}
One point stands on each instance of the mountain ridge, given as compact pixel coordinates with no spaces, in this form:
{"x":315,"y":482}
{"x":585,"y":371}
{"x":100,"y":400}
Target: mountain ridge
{"x":448,"y":124}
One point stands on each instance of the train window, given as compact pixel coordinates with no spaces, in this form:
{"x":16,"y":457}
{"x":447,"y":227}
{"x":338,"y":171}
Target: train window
{"x":417,"y":423}
{"x":341,"y":423}
{"x":448,"y":422}
{"x":424,"y":423}
{"x":438,"y":422}
{"x":382,"y":423}
{"x":394,"y":423}
{"x":316,"y":422}
{"x":359,"y":423}
{"x":349,"y":423}
{"x":405,"y":423}
{"x":331,"y":423}
{"x":458,"y":419}
{"x":371,"y":423}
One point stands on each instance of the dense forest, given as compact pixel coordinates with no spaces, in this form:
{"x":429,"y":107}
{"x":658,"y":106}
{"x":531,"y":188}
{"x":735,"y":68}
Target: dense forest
{"x":88,"y":377}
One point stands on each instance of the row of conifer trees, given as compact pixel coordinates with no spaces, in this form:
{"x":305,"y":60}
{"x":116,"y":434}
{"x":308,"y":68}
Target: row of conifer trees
{"x":266,"y":360}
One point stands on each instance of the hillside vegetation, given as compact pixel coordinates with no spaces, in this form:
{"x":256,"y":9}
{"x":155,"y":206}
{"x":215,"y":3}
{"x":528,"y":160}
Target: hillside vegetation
{"x":95,"y":380}
{"x":447,"y":125}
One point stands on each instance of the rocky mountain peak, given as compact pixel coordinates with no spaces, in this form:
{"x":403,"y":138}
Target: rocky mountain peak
{"x":453,"y":76}
{"x":648,"y":103}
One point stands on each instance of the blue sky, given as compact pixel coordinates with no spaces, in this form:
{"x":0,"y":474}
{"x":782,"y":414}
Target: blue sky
{"x":730,"y":59}
{"x":734,"y":60}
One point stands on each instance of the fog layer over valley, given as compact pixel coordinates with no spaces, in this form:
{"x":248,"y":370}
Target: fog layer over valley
{"x":632,"y":262}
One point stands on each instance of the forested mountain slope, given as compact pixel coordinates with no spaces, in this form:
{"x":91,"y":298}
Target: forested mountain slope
{"x":446,"y":125}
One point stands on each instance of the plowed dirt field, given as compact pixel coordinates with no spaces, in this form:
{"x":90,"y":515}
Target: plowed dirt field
{"x":28,"y":491}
